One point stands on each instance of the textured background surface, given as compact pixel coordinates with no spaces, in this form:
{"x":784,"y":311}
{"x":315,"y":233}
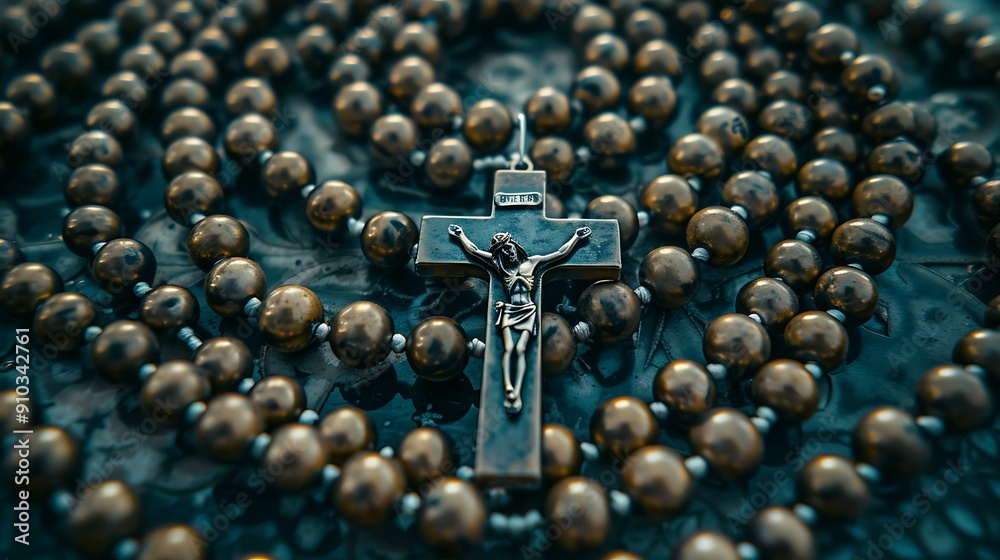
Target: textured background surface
{"x":940,"y":253}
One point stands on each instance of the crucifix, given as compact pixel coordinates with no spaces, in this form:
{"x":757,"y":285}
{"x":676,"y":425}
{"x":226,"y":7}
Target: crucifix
{"x":513,"y":248}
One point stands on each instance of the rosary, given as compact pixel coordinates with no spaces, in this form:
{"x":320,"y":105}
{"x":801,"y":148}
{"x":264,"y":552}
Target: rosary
{"x":796,"y":130}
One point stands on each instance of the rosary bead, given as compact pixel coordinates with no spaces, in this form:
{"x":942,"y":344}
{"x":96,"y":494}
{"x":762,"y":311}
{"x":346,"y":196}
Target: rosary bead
{"x":721,"y":232}
{"x":610,"y":207}
{"x":234,"y":22}
{"x":101,"y":41}
{"x":449,"y":164}
{"x":611,"y":309}
{"x":416,"y":39}
{"x":288,"y":316}
{"x":671,"y":275}
{"x":24,"y":286}
{"x":548,"y":111}
{"x":685,"y":387}
{"x":889,"y":439}
{"x":426,"y":454}
{"x":408,"y":76}
{"x":249,"y":135}
{"x":883,"y":195}
{"x":657,"y":481}
{"x":889,"y":121}
{"x":737,"y":94}
{"x":831,"y":485}
{"x":189,"y":154}
{"x":299,"y":450}
{"x":958,"y":29}
{"x":281,"y":400}
{"x":816,"y":337}
{"x":228,"y":426}
{"x":367,"y":489}
{"x":315,"y":46}
{"x":250,"y":95}
{"x":193,"y":193}
{"x":788,"y":388}
{"x":561,"y":456}
{"x":361,"y":334}
{"x":55,"y":458}
{"x":225,"y":361}
{"x":770,"y":299}
{"x":356,"y":107}
{"x":830,"y":43}
{"x":622,"y":425}
{"x":591,"y":20}
{"x":284,"y":174}
{"x":128,"y":87}
{"x":981,"y":348}
{"x":214,"y":42}
{"x":796,"y":21}
{"x":164,"y":37}
{"x":756,"y":194}
{"x":958,"y":397}
{"x":963,"y":163}
{"x":737,"y":342}
{"x":866,"y":75}
{"x":670,"y":202}
{"x":330,"y":205}
{"x":174,"y":386}
{"x":610,"y":139}
{"x":487,"y":126}
{"x":348,"y":69}
{"x":437,"y":349}
{"x":558,"y":344}
{"x":579,"y":506}
{"x":809,"y":213}
{"x":825,"y":178}
{"x":718,"y":67}
{"x":122,"y":263}
{"x":864,"y":242}
{"x":779,"y":534}
{"x":772,"y":154}
{"x":837,"y":144}
{"x":387,"y":239}
{"x":728,"y":128}
{"x":554,"y":156}
{"x":60,"y":322}
{"x":695,"y":155}
{"x":761,"y":62}
{"x":268,"y":58}
{"x":110,"y":512}
{"x":848,"y":290}
{"x":231,"y":283}
{"x":728,"y":441}
{"x":186,"y":16}
{"x":790,"y":119}
{"x":706,"y":545}
{"x":36,"y":95}
{"x":393,"y":138}
{"x":68,"y":65}
{"x":837,"y":113}
{"x":122,"y":348}
{"x":168,"y":308}
{"x":95,"y":147}
{"x":215,"y":238}
{"x":332,"y":14}
{"x":172,"y":542}
{"x":784,"y":85}
{"x":453,"y":516}
{"x":598,"y":89}
{"x":644,"y":25}
{"x":88,"y":225}
{"x":658,"y":57}
{"x":135,"y":15}
{"x":986,"y":58}
{"x":346,"y":431}
{"x":435,"y":107}
{"x":986,"y":204}
{"x":185,"y":92}
{"x":653,"y":98}
{"x":607,"y":50}
{"x":187,"y":121}
{"x":144,"y":60}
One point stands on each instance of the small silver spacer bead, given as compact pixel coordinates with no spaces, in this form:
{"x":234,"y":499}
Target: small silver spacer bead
{"x":398,"y":343}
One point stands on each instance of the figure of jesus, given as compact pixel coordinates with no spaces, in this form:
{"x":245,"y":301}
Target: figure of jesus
{"x":517,"y":316}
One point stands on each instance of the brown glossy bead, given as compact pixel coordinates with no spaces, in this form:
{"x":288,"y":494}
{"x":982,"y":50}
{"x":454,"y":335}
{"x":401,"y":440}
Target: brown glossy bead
{"x":836,"y":113}
{"x":831,"y":485}
{"x":607,"y":50}
{"x":172,"y":542}
{"x":554,"y":156}
{"x":281,"y":400}
{"x":825,"y":178}
{"x":728,"y":441}
{"x":561,"y":456}
{"x":346,"y":431}
{"x":249,"y":135}
{"x":788,"y":388}
{"x":135,"y":15}
{"x":548,"y":111}
{"x":54,"y":457}
{"x":657,"y":481}
{"x":437,"y":349}
{"x":590,"y":20}
{"x":816,"y":337}
{"x":144,"y":60}
{"x":122,"y":263}
{"x":837,"y":144}
{"x":450,"y":13}
{"x":348,"y":69}
{"x":737,"y":94}
{"x":164,"y":37}
{"x":706,"y":546}
{"x":685,"y":387}
{"x":215,"y":238}
{"x":670,"y":202}
{"x":784,"y":85}
{"x":610,"y":207}
{"x":435,"y":107}
{"x":128,"y":87}
{"x":109,"y":513}
{"x":610,"y":139}
{"x":453,"y":516}
{"x":848,"y":290}
{"x":986,"y":204}
{"x":122,"y":348}
{"x":193,"y":193}
{"x":95,"y":147}
{"x":34,"y":94}
{"x":728,"y":128}
{"x":864,"y":242}
{"x":387,"y":239}
{"x":231,"y":283}
{"x":756,"y":194}
{"x":330,"y":205}
{"x":981,"y":348}
{"x":189,"y":154}
{"x":719,"y":231}
{"x":487,"y":126}
{"x":361,"y":334}
{"x":644,"y":25}
{"x":558,"y":344}
{"x":68,"y":65}
{"x":114,"y":118}
{"x":167,"y":393}
{"x":964,"y":163}
{"x":737,"y":342}
{"x":214,"y":42}
{"x":958,"y":397}
{"x":284,"y":175}
{"x":288,"y":316}
{"x":796,"y":263}
{"x":409,"y":76}
{"x":797,"y":21}
{"x":780,"y":534}
{"x":718,"y":67}
{"x":60,"y":322}
{"x":356,"y":107}
{"x":986,"y":58}
{"x":579,"y":506}
{"x":959,"y":28}
{"x":889,"y":121}
{"x":695,"y":155}
{"x":449,"y":164}
{"x":790,"y":119}
{"x":425,"y":455}
{"x":770,"y":299}
{"x":88,"y":225}
{"x":195,"y":65}
{"x":831,"y":44}
{"x":809,"y":213}
{"x":267,"y":57}
{"x":597,"y":89}
{"x":773,"y":154}
{"x":393,"y":138}
{"x":315,"y":46}
{"x":101,"y":40}
{"x":168,"y":308}
{"x":611,"y":309}
{"x":671,"y":275}
{"x":185,"y":92}
{"x":367,"y":489}
{"x":658,"y":57}
{"x":228,"y":426}
{"x":187,"y":121}
{"x":333,"y":14}
{"x":865,"y":75}
{"x":761,"y":62}
{"x":250,"y":95}
{"x":224,"y":361}
{"x":300,"y":452}
{"x":416,"y":39}
{"x":889,"y":439}
{"x":554,"y":207}
{"x":25,"y":286}
{"x":883,"y":195}
{"x":622,"y":425}
{"x":653,"y":98}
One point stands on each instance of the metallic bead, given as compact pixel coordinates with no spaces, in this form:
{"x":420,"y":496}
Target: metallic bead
{"x":387,"y":239}
{"x":761,"y":62}
{"x":685,"y":387}
{"x":883,"y":195}
{"x":54,"y":460}
{"x":981,"y":348}
{"x":89,"y":225}
{"x":611,"y":140}
{"x":795,"y":263}
{"x":554,"y":156}
{"x":889,"y":121}
{"x":393,"y":138}
{"x":773,"y":301}
{"x":215,"y":238}
{"x":356,"y":107}
{"x":164,"y":37}
{"x":487,"y":126}
{"x":249,"y":135}
{"x":670,"y":202}
{"x":409,"y":76}
{"x":189,"y":154}
{"x":695,"y":155}
{"x":367,"y":489}
{"x":185,"y":92}
{"x":653,"y":98}
{"x":95,"y":147}
{"x":435,"y":106}
{"x":36,"y":95}
{"x":727,"y":127}
{"x":449,"y":164}
{"x":830,"y":43}
{"x":789,"y":119}
{"x":612,"y":309}
{"x":848,"y":290}
{"x":825,"y":178}
{"x":864,"y":76}
{"x":287,"y":317}
{"x":671,"y":275}
{"x":122,"y":263}
{"x":110,"y":512}
{"x":114,"y":118}
{"x":809,"y":213}
{"x":284,"y":174}
{"x":598,"y":89}
{"x":831,"y":484}
{"x":777,"y":532}
{"x":346,"y":431}
{"x":193,"y":193}
{"x":706,"y":545}
{"x":717,"y":67}
{"x":315,"y":46}
{"x":225,"y":361}
{"x":728,"y":441}
{"x":361,"y":334}
{"x":797,"y":21}
{"x":579,"y":506}
{"x":176,"y":542}
{"x":772,"y":154}
{"x":964,"y":162}
{"x":610,"y":207}
{"x":267,"y":57}
{"x":607,"y":50}
{"x":453,"y":516}
{"x":986,"y":204}
{"x":737,"y":94}
{"x":657,"y":481}
{"x":643,"y":25}
{"x":836,"y":144}
{"x":561,"y":456}
{"x":281,"y":400}
{"x":548,"y":111}
{"x":737,"y":342}
{"x":250,"y":95}
{"x":227,"y":427}
{"x":68,"y":65}
{"x":721,"y":232}
{"x":168,"y":308}
{"x":788,"y":388}
{"x":167,"y":393}
{"x":956,"y":396}
{"x":348,"y":69}
{"x":300,"y":452}
{"x":425,"y":455}
{"x":122,"y":348}
{"x":331,"y":205}
{"x":756,"y":194}
{"x":658,"y":57}
{"x":61,"y":321}
{"x":621,"y":425}
{"x":815,"y":336}
{"x":437,"y":349}
{"x":93,"y":184}
{"x":889,"y":439}
{"x":864,"y":242}
{"x":187,"y":121}
{"x":231,"y":283}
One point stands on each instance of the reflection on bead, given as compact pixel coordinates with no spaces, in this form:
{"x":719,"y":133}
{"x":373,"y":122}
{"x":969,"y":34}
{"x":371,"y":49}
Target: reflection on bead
{"x":832,"y":485}
{"x":109,"y":513}
{"x":621,"y":425}
{"x":288,"y":316}
{"x":721,"y":232}
{"x":228,"y":425}
{"x":215,"y":238}
{"x":453,"y":516}
{"x":728,"y":441}
{"x":611,"y":309}
{"x":300,"y":452}
{"x":561,"y":456}
{"x":788,"y":388}
{"x":388,"y":238}
{"x":231,"y":283}
{"x":888,"y":439}
{"x":580,"y":506}
{"x":346,"y":431}
{"x":815,"y":336}
{"x":956,"y":396}
{"x":737,"y":342}
{"x":671,"y":275}
{"x":368,"y":488}
{"x":685,"y":387}
{"x":225,"y":361}
{"x":437,"y":349}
